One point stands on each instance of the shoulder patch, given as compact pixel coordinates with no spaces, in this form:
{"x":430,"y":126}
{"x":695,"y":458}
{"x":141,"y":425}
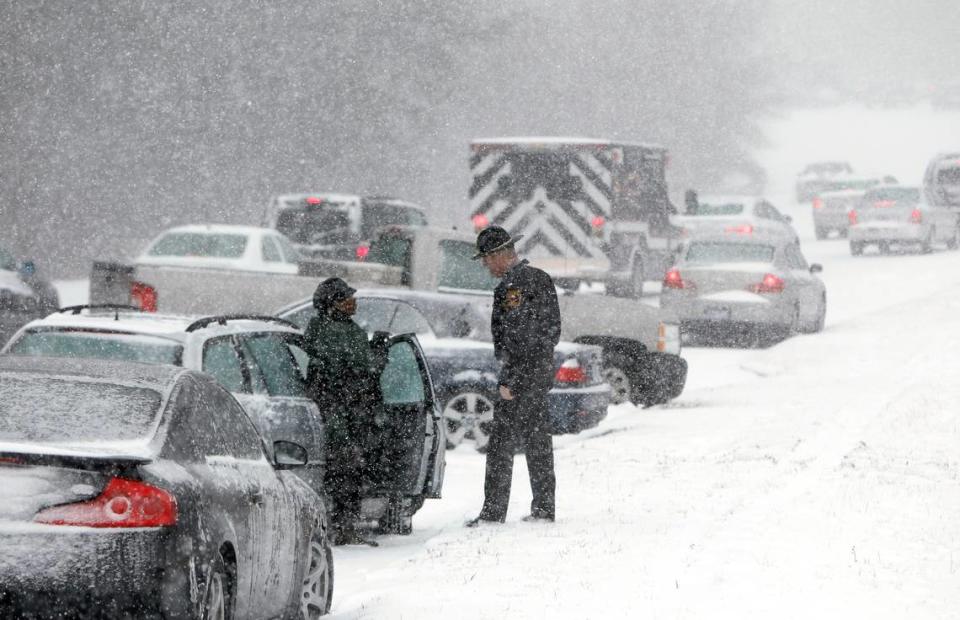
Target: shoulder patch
{"x":512,"y":299}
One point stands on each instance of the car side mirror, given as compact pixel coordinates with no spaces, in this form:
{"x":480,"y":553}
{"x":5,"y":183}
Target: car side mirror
{"x":816,"y":268}
{"x":288,"y":455}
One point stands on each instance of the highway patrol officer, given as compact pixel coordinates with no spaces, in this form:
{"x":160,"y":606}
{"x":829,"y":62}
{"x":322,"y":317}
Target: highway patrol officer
{"x":526,"y":327}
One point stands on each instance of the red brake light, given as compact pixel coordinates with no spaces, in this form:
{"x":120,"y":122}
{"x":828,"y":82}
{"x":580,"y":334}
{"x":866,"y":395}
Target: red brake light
{"x":570,"y":372}
{"x":123,"y":503}
{"x":673,"y":280}
{"x":313,"y":201}
{"x":362,"y":251}
{"x":743,"y":229}
{"x":817,"y":203}
{"x":598,"y":222}
{"x":143,"y":296}
{"x":480,"y":221}
{"x":769,"y":284}
{"x":916,"y":216}
{"x":852,"y":216}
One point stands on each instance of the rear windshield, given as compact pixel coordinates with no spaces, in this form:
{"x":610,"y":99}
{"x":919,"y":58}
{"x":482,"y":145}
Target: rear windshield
{"x":390,"y":250}
{"x":949,"y":176}
{"x":458,"y":270}
{"x":200,"y":244}
{"x":719,"y":208}
{"x":46,"y":409}
{"x":900,"y":194}
{"x":105,"y":346}
{"x":326,"y":223}
{"x":701,"y":252}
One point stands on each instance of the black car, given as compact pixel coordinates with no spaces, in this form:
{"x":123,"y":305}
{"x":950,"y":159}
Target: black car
{"x":134,"y":490}
{"x":24,"y":295}
{"x":457,"y":344}
{"x":338,"y":226}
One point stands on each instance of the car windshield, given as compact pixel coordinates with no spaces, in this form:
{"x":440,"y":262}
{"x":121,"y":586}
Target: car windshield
{"x":390,"y":250}
{"x":703,"y":252}
{"x":949,"y":176}
{"x":38,"y":408}
{"x":207,"y":245}
{"x":719,"y":208}
{"x":105,"y":346}
{"x":896,"y":194}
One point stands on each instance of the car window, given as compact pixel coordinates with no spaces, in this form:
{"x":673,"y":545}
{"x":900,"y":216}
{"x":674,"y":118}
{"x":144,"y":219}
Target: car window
{"x":415,"y":218}
{"x":401,"y":381}
{"x":235,"y":433}
{"x":290,"y":254}
{"x":719,"y":252}
{"x":301,"y":317}
{"x":723,"y":207}
{"x":458,"y":270}
{"x":390,"y":250}
{"x":200,"y":244}
{"x":302,"y":357}
{"x":376,"y":215}
{"x":105,"y":346}
{"x":375,"y":314}
{"x":220,"y":360}
{"x":270,"y":250}
{"x":795,"y":259}
{"x":273,"y":360}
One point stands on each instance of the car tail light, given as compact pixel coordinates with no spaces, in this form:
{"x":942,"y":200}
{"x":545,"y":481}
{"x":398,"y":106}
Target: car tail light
{"x":571,"y":372}
{"x":852,"y":216}
{"x":362,"y":251}
{"x":598,"y":222}
{"x":743,"y":229}
{"x":817,"y":203}
{"x":916,"y":216}
{"x":123,"y":503}
{"x":769,"y":284}
{"x":480,"y":221}
{"x":313,"y":201}
{"x":673,"y":279}
{"x":143,"y":296}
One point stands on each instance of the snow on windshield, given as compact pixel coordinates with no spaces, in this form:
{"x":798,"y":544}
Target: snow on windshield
{"x":45,"y":409}
{"x":128,"y":347}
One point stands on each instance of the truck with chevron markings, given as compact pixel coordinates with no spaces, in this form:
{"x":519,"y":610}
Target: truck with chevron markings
{"x":589,"y":210}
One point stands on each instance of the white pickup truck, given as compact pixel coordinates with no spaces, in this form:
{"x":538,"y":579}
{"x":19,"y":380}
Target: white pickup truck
{"x":641,"y":352}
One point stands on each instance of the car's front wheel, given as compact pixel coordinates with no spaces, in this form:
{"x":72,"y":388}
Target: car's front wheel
{"x":468,"y":414}
{"x":317,"y":590}
{"x":856,"y":248}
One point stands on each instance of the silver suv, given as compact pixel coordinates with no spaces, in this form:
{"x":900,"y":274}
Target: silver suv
{"x":262,"y":362}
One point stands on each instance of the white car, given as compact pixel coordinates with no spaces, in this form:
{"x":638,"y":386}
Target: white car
{"x":734,"y":214}
{"x":897,"y":216}
{"x":221,"y":246}
{"x":758,"y":287}
{"x":260,"y":360}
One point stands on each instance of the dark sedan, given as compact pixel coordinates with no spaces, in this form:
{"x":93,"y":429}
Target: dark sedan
{"x":133,"y":490}
{"x":24,"y":295}
{"x":456,"y":341}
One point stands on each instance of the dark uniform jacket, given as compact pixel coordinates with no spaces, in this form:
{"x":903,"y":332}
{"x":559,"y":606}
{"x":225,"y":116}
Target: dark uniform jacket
{"x":526,"y":327}
{"x":343,"y":376}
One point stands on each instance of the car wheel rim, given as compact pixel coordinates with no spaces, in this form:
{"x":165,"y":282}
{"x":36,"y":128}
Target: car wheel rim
{"x":468,"y":415}
{"x":216,"y":606}
{"x":316,"y":585}
{"x":619,"y":384}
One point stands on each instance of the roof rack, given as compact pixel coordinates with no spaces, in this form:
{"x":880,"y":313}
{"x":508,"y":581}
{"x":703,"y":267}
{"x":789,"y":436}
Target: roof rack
{"x":224,"y":318}
{"x":115,"y":307}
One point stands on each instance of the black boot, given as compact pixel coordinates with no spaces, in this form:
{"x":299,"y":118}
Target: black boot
{"x":482,"y":518}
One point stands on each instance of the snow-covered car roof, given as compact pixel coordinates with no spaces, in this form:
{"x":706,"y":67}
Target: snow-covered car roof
{"x":152,"y":376}
{"x":172,"y":327}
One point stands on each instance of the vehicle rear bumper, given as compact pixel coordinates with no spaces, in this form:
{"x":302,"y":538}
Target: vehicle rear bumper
{"x":575,"y":409}
{"x":891,"y":232}
{"x":766,"y":310}
{"x":48,"y":570}
{"x":833,"y":221}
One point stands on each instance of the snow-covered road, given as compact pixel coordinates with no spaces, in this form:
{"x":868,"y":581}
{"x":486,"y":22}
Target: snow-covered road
{"x":819,"y":478}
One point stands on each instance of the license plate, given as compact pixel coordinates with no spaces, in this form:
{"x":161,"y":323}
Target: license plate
{"x":717,"y":314}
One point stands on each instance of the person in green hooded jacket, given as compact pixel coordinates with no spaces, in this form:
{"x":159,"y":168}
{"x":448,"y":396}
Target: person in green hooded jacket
{"x":343,"y":377}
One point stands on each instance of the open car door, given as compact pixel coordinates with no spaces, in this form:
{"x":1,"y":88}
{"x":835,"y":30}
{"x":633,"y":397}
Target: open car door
{"x":403,"y":456}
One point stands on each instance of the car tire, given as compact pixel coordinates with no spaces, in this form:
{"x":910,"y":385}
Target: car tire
{"x":468,"y":414}
{"x":926,"y":246}
{"x":616,"y":375}
{"x":395,"y":520}
{"x":856,"y":248}
{"x":317,"y":585}
{"x":821,"y":233}
{"x":884,"y":247}
{"x":218,"y":591}
{"x":954,"y":241}
{"x":817,"y":325}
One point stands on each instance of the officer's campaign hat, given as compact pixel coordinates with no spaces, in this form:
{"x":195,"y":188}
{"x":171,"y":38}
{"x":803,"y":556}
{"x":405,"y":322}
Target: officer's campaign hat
{"x":493,"y":239}
{"x":330,"y":291}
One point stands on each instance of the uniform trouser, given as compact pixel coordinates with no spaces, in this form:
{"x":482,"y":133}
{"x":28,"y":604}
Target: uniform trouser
{"x":520,"y":423}
{"x":343,"y":481}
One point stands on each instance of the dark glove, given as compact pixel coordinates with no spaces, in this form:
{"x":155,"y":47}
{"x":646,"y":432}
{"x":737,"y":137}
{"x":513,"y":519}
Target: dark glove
{"x":379,"y":348}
